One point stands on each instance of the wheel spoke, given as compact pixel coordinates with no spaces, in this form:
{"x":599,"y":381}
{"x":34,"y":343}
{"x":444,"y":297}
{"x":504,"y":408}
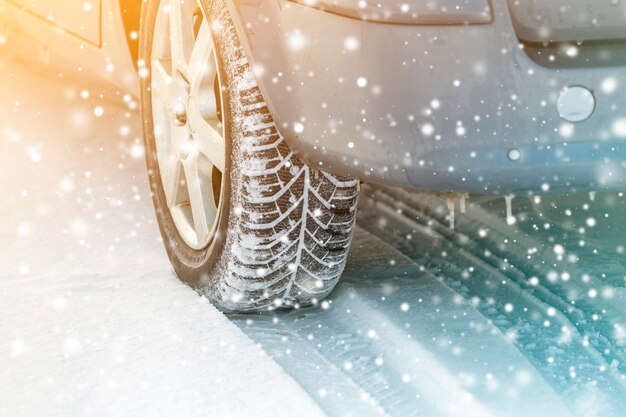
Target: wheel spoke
{"x":171,"y":180}
{"x":181,"y":34}
{"x":207,"y":134}
{"x":200,"y":199}
{"x":161,"y":83}
{"x":201,"y":62}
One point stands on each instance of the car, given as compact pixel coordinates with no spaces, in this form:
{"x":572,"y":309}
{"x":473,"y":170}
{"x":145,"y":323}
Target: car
{"x":262,"y":118}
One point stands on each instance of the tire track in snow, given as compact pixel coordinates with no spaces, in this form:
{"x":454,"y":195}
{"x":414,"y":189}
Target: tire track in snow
{"x":479,"y":272}
{"x":518,"y":270}
{"x":401,"y":343}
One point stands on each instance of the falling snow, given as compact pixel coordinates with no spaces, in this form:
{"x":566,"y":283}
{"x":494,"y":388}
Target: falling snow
{"x":492,"y":303}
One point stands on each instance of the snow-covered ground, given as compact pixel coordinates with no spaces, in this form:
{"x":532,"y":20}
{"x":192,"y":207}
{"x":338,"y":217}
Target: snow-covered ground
{"x":92,"y":320}
{"x":489,"y":319}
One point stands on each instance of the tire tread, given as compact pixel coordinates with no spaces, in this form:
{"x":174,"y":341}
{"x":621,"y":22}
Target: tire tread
{"x":292,"y":226}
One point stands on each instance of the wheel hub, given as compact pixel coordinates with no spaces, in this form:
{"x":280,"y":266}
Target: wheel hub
{"x":179,"y":111}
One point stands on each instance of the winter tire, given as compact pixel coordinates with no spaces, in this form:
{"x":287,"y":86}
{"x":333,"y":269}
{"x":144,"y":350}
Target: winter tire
{"x":244,"y":221}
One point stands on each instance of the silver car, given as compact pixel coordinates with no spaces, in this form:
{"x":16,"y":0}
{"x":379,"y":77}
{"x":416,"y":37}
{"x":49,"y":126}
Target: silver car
{"x":261,"y":118}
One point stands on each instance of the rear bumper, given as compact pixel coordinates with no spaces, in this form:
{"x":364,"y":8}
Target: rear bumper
{"x":441,"y":108}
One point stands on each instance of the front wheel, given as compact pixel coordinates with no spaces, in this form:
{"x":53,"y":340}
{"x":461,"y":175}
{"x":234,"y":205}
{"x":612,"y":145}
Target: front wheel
{"x":244,"y":221}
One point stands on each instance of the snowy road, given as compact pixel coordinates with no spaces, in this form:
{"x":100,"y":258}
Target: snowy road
{"x":525,"y":320}
{"x":489,"y":319}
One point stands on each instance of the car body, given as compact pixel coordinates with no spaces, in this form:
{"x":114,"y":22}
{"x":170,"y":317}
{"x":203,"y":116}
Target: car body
{"x":90,"y":37}
{"x":444,"y":100}
{"x":443,"y":105}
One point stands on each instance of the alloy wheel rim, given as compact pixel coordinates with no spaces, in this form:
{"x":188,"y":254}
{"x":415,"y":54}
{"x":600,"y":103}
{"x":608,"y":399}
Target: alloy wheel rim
{"x":187,"y":118}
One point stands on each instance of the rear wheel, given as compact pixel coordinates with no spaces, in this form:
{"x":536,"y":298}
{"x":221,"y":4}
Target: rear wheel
{"x":244,"y":221}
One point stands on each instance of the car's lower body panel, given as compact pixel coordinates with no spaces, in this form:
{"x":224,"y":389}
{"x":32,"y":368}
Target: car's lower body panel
{"x":434,"y":107}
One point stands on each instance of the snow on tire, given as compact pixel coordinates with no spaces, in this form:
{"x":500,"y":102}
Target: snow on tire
{"x":284,"y":228}
{"x":292,"y":224}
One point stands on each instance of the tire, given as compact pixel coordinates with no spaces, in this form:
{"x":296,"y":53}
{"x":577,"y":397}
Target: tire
{"x":283,"y":229}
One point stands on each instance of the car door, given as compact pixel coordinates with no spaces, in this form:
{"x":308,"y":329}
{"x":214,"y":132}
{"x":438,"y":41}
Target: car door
{"x":80,"y":18}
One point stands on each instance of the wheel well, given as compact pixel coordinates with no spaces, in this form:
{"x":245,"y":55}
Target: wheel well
{"x":131,"y":14}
